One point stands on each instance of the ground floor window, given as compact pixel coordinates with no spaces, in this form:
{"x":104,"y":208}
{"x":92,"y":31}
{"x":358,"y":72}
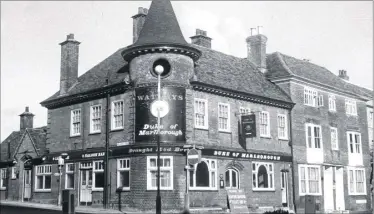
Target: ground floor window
{"x":309,"y":180}
{"x":2,"y":178}
{"x":232,"y":178}
{"x":204,"y":175}
{"x":123,"y":174}
{"x":98,"y":175}
{"x":43,"y":177}
{"x":166,"y":173}
{"x":69,"y":176}
{"x":356,"y":181}
{"x":263,"y":176}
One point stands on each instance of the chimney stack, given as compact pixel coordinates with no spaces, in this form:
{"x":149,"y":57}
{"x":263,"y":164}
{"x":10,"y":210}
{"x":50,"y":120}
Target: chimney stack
{"x":26,"y":120}
{"x":343,"y":75}
{"x":69,"y":63}
{"x":201,"y":39}
{"x":138,"y":22}
{"x":256,"y":49}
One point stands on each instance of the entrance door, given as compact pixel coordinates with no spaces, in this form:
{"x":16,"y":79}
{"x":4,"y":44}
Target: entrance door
{"x":284,"y":187}
{"x":333,"y":189}
{"x":86,"y":186}
{"x":27,"y":184}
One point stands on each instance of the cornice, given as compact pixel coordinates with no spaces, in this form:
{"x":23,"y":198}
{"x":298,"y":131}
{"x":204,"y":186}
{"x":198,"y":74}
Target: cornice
{"x":240,"y":95}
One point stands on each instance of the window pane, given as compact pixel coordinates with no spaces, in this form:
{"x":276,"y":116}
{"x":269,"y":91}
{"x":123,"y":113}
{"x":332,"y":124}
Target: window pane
{"x":202,"y":175}
{"x":234,"y":184}
{"x":227,"y":174}
{"x":48,"y":182}
{"x":99,"y":179}
{"x":39,"y":182}
{"x":70,"y":181}
{"x":262,"y":177}
{"x":125,"y":178}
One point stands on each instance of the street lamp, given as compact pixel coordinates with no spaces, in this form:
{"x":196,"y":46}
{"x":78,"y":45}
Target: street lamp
{"x":159,"y":69}
{"x":61,"y":162}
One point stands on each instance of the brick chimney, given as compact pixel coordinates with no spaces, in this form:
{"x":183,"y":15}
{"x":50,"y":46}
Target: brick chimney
{"x":201,"y":39}
{"x":343,"y":75}
{"x":138,"y":22}
{"x":26,"y":120}
{"x":69,"y":63}
{"x":256,"y":50}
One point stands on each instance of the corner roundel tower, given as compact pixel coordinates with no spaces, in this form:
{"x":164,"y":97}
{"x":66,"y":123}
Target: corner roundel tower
{"x":160,"y":43}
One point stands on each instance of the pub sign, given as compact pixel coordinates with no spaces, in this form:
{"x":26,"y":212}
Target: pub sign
{"x":249,"y":125}
{"x":172,"y":126}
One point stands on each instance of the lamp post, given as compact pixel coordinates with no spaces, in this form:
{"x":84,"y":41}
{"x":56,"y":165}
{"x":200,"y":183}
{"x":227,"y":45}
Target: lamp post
{"x":61,"y":162}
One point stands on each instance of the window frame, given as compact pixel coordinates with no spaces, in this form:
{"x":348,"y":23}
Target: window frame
{"x":113,"y":127}
{"x":92,"y":131}
{"x":123,"y":169}
{"x":267,"y":135}
{"x":320,"y":100}
{"x":307,"y":189}
{"x":94,"y":171}
{"x":244,"y":111}
{"x":162,"y":168}
{"x":232,"y":169}
{"x":72,"y":134}
{"x":355,"y":169}
{"x":44,"y":174}
{"x":353,"y":104}
{"x":272,"y":180}
{"x":3,"y":177}
{"x":354,"y":142}
{"x":336,"y":138}
{"x":332,"y":103}
{"x":313,"y":137}
{"x":310,"y":93}
{"x":221,"y":116}
{"x":285,"y":137}
{"x":69,"y":172}
{"x":205,"y":101}
{"x":208,"y":162}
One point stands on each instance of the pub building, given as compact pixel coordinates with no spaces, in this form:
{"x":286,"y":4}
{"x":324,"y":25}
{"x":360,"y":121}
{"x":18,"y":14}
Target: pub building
{"x":222,"y":104}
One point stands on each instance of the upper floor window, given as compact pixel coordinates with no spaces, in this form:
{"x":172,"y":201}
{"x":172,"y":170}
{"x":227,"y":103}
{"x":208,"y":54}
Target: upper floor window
{"x":166,"y":173}
{"x":201,"y":113}
{"x":313,"y":136}
{"x":43,"y":177}
{"x":332,"y":103}
{"x":354,"y":142}
{"x":3,"y":178}
{"x":356,"y":181}
{"x":95,"y":119}
{"x":334,"y":138}
{"x":263,"y":176}
{"x":204,"y":175}
{"x":69,"y":176}
{"x":223,"y":117}
{"x":232,"y":178}
{"x":75,"y":126}
{"x":264,"y":124}
{"x":309,"y":180}
{"x":282,"y":126}
{"x":350,"y":107}
{"x":123,"y":173}
{"x":310,"y":96}
{"x":244,"y":111}
{"x":320,"y":100}
{"x":117,"y":115}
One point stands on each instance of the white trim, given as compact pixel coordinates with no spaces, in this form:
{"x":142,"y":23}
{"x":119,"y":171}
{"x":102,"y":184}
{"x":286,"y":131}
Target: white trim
{"x":285,"y":137}
{"x":162,"y":168}
{"x":47,"y":167}
{"x":271,"y":181}
{"x":205,"y":101}
{"x":267,"y":135}
{"x":68,"y":172}
{"x":332,"y":103}
{"x":313,"y":143}
{"x":91,"y":118}
{"x":71,"y":122}
{"x":230,"y":178}
{"x":208,"y":162}
{"x":353,"y":104}
{"x":123,"y":169}
{"x":112,"y":127}
{"x":312,"y":94}
{"x":307,"y":192}
{"x":355,"y":169}
{"x":228,"y":117}
{"x":94,"y":171}
{"x":336,"y":138}
{"x":354,"y":158}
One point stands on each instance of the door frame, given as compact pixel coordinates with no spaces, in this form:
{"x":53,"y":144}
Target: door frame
{"x":85,"y":167}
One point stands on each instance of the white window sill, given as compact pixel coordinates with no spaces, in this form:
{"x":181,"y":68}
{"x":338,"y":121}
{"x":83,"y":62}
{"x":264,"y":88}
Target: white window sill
{"x":201,"y":128}
{"x":352,"y":115}
{"x":42,"y":190}
{"x":335,"y":149}
{"x":161,"y":188}
{"x":330,"y":110}
{"x":124,"y":188}
{"x":203,"y":188}
{"x":364,"y":194}
{"x":265,"y":136}
{"x":283,"y":138}
{"x":116,"y":129}
{"x":263,"y":189}
{"x":70,"y":188}
{"x":224,"y":131}
{"x":309,"y":105}
{"x":75,"y":135}
{"x":304,"y":194}
{"x":96,"y":132}
{"x":98,"y":189}
{"x":2,"y":188}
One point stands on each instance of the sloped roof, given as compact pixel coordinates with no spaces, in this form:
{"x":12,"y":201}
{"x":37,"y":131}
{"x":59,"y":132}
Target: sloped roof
{"x":281,"y":65}
{"x":37,"y":135}
{"x":161,"y":26}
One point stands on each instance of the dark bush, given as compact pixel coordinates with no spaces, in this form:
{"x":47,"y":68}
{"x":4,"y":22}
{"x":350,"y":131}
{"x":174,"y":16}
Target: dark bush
{"x":280,"y":211}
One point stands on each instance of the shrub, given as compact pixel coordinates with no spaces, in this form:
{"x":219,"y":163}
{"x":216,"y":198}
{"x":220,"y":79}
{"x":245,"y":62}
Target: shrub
{"x":279,"y":211}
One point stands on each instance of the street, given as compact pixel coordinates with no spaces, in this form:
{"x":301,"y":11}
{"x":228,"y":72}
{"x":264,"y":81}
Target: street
{"x":26,"y":210}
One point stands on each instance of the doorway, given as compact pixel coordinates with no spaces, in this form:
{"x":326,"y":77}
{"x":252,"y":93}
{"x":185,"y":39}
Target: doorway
{"x":333,"y":189}
{"x":86,"y":183}
{"x":27,"y":185}
{"x":284,"y":188}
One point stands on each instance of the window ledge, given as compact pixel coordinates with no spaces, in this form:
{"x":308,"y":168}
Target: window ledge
{"x":305,"y":194}
{"x":123,"y":189}
{"x":117,"y":129}
{"x":2,"y":188}
{"x":74,"y":136}
{"x":225,"y":131}
{"x":97,"y":189}
{"x":42,"y":190}
{"x":161,"y":189}
{"x":94,"y":133}
{"x":265,"y":136}
{"x":363,"y":194}
{"x":263,"y":190}
{"x":336,"y":150}
{"x":201,"y":128}
{"x":70,"y":188}
{"x":202,"y":189}
{"x":286,"y":139}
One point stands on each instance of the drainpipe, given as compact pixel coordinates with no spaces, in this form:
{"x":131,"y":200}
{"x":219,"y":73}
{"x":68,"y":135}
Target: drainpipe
{"x":293,"y":163}
{"x":106,"y":161}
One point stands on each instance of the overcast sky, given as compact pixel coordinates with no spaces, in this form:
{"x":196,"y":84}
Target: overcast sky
{"x":336,"y":35}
